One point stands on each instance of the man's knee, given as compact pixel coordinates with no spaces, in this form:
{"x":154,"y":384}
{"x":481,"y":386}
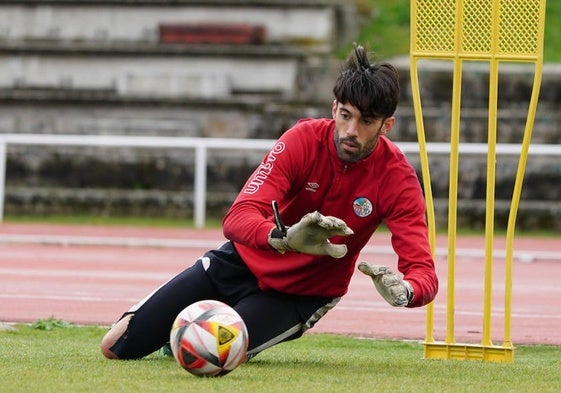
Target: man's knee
{"x":111,"y":337}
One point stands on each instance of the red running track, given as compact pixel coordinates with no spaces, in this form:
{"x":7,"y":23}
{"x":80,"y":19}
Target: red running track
{"x":91,"y":274}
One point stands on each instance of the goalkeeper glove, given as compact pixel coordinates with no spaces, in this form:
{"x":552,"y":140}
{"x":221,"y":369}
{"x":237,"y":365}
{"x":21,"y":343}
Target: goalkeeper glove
{"x":393,"y":289}
{"x":310,"y":235}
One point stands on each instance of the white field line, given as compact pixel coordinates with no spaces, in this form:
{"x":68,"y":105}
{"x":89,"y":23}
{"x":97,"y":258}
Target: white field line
{"x":67,"y":240}
{"x":439,"y":310}
{"x":526,"y":256}
{"x":380,"y":308}
{"x":74,"y":273}
{"x":67,"y":298}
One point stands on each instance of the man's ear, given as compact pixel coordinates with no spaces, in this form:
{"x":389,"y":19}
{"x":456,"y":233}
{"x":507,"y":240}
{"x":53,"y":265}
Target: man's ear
{"x":334,"y":108}
{"x":387,"y":125}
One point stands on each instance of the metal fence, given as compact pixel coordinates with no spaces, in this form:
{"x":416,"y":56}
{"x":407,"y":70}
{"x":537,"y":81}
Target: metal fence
{"x":201,"y":146}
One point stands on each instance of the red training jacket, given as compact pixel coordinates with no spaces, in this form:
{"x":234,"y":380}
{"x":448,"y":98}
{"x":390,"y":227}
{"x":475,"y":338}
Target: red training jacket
{"x":303,"y":173}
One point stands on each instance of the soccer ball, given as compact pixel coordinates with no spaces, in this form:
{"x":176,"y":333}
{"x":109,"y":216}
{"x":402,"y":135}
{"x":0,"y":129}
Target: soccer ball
{"x":209,"y":339}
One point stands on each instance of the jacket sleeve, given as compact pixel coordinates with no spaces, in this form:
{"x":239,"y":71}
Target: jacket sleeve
{"x":407,"y":224}
{"x":250,"y":218}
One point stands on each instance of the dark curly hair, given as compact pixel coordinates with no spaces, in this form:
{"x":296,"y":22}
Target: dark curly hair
{"x":372,"y":88}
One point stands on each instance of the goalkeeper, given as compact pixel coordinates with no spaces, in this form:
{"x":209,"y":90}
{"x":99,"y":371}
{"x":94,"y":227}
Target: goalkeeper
{"x":298,"y":225}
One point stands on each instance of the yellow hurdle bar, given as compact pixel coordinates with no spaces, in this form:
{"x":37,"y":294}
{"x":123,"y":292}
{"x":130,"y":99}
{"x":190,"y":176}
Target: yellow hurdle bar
{"x":490,"y":31}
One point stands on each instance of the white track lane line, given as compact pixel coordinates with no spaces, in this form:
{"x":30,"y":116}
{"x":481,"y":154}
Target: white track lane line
{"x":526,"y":256}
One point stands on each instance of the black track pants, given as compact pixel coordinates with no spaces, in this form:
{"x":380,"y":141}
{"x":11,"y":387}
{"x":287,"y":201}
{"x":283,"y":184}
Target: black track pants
{"x":271,"y":317}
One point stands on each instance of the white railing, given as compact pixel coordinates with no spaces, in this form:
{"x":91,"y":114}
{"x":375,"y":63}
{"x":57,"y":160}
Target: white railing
{"x":202,"y":145}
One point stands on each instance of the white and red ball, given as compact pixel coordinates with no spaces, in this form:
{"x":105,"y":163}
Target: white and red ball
{"x":209,"y":339}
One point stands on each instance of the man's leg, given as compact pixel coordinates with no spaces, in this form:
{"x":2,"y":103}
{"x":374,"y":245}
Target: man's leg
{"x":273,"y":317}
{"x":146,"y":326}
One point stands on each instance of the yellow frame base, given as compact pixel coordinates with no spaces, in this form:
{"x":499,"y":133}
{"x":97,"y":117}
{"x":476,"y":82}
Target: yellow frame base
{"x":488,"y":353}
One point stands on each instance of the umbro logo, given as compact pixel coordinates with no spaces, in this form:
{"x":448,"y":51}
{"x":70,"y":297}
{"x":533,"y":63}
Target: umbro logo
{"x":313,"y":187}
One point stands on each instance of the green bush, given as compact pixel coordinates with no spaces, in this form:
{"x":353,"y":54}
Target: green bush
{"x":386,"y":28}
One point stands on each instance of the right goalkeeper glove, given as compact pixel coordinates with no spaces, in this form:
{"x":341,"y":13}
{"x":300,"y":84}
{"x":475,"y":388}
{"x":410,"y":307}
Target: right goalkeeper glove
{"x":310,"y":235}
{"x":392,"y":287}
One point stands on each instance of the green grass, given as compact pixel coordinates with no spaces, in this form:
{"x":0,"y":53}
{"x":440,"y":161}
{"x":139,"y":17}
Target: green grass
{"x":211,"y":223}
{"x":66,"y":358}
{"x":387,"y":27}
{"x":167,"y":222}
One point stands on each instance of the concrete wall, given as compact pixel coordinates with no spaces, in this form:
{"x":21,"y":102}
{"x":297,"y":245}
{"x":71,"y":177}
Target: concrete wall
{"x":312,"y":22}
{"x":515,"y":85}
{"x":110,"y":84}
{"x":159,"y":182}
{"x":152,"y":75}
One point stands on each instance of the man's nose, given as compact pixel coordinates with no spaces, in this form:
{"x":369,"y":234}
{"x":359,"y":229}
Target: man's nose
{"x":352,"y":129}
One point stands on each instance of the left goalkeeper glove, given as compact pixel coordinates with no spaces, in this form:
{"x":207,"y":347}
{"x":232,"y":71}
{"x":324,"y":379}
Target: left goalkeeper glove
{"x":310,"y":235}
{"x":393,"y":289}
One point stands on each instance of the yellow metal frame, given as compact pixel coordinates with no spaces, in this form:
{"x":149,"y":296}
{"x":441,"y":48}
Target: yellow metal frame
{"x":490,"y":31}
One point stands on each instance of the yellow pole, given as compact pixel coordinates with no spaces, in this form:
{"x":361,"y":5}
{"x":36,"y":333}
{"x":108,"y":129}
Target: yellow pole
{"x":453,"y":200}
{"x":490,"y":202}
{"x":425,"y":171}
{"x":491,"y":168}
{"x":516,"y":200}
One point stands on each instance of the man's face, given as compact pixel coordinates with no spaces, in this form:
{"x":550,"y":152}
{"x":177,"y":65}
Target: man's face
{"x":356,"y":136}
